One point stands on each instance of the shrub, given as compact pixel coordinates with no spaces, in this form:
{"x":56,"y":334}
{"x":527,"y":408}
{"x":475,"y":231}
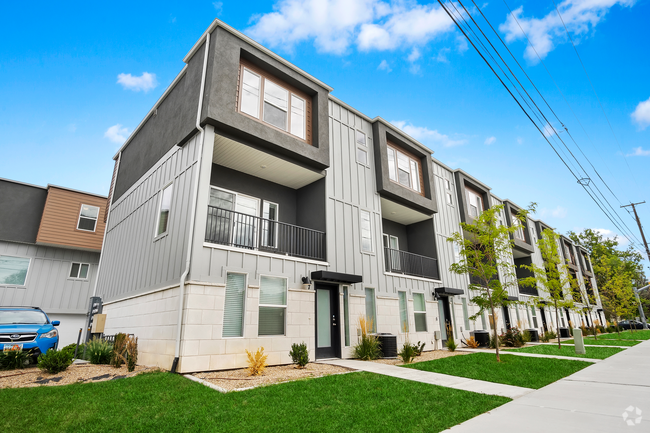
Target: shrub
{"x":419,"y":348}
{"x":132,"y":352}
{"x":70,"y":348}
{"x":551,"y":335}
{"x":14,"y":359}
{"x":299,"y":354}
{"x":257,"y":362}
{"x":408,"y":352}
{"x":118,"y":356}
{"x":451,"y":345}
{"x":511,"y":338}
{"x":368,"y":346}
{"x":526,"y":337}
{"x":99,"y":351}
{"x":471,"y":342}
{"x":55,"y":361}
{"x":544,"y":338}
{"x":493,"y":342}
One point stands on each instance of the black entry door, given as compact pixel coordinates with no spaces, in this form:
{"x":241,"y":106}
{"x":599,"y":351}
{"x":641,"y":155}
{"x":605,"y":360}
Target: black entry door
{"x":328,"y":334}
{"x":541,"y":310}
{"x":448,"y":332}
{"x":506,"y":317}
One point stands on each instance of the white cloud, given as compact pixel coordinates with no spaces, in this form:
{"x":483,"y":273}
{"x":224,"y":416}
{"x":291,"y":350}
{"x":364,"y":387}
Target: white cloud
{"x":218,"y":6}
{"x":580,"y":17}
{"x":638,"y":151}
{"x":442,"y":55}
{"x":384,"y":66}
{"x":415,"y":55}
{"x":335,"y":25}
{"x":520,"y":140}
{"x":144,"y":82}
{"x":426,"y":135}
{"x":608,"y":234}
{"x":117,"y":134}
{"x":490,"y":140}
{"x":641,"y":114}
{"x":549,"y":130}
{"x":558,"y":212}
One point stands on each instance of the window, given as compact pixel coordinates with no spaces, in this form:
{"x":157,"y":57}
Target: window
{"x":448,"y":184}
{"x":346,"y":314}
{"x":474,"y":202}
{"x":362,"y":151}
{"x":403,"y":169}
{"x":403,"y":312}
{"x":449,"y":199}
{"x":391,"y":243}
{"x":233,"y":219}
{"x":519,"y":233}
{"x":273,"y":305}
{"x":483,"y":320}
{"x":569,"y":253}
{"x":88,"y":218}
{"x":79,"y":271}
{"x":420,"y":312}
{"x":465,"y":313}
{"x":534,"y":315}
{"x":366,"y":232}
{"x":13,"y":270}
{"x":456,"y":253}
{"x":269,"y":224}
{"x":273,"y":103}
{"x":165,"y":208}
{"x":371,"y":317}
{"x":233,"y":317}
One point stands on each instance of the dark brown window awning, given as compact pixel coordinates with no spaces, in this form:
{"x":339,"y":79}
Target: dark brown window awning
{"x":336,"y":277}
{"x":448,"y":291}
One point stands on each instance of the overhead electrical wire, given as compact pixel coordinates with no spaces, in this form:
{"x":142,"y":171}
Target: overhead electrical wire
{"x":457,"y":18}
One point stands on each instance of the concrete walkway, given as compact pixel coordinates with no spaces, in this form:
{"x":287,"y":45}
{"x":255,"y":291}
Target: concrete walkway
{"x":445,"y":380}
{"x":594,"y":399}
{"x":531,"y":355}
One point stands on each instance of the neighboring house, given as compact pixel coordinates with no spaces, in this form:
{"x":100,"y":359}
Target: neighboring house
{"x":251,"y":208}
{"x":50,"y":240}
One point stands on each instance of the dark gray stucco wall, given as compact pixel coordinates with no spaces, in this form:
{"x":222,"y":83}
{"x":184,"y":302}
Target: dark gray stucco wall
{"x":255,"y":187}
{"x":461,"y":182}
{"x":422,"y":239}
{"x":523,"y":246}
{"x":21,"y":208}
{"x":525,"y":273}
{"x":395,"y":229}
{"x":310,"y":203}
{"x":173,"y":124}
{"x":220,"y":107}
{"x":394,"y":191}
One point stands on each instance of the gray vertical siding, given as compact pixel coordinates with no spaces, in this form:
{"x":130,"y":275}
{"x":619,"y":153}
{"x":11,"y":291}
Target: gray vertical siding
{"x":47,"y":284}
{"x":133,"y":261}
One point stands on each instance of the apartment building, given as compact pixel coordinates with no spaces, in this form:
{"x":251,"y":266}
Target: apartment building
{"x":50,"y":241}
{"x":251,"y":208}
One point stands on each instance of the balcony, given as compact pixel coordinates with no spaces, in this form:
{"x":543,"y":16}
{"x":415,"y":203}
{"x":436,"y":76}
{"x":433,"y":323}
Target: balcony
{"x":402,"y":262}
{"x":236,"y":229}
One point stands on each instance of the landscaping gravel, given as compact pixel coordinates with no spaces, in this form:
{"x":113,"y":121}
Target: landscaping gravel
{"x":426,"y":356}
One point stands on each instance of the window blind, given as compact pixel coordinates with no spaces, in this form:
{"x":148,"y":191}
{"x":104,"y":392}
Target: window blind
{"x":273,"y":301}
{"x":370,"y":309}
{"x":420,"y":312}
{"x":403,"y":312}
{"x":233,"y":318}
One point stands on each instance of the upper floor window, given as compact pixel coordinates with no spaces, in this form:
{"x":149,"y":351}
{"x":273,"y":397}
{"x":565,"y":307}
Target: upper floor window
{"x":273,"y":102}
{"x":88,"y":218}
{"x":404,"y":169}
{"x":165,"y":208}
{"x":519,"y":233}
{"x":474,"y":202}
{"x":362,"y":148}
{"x":569,"y":253}
{"x":366,"y":232}
{"x":13,"y":270}
{"x":79,"y":271}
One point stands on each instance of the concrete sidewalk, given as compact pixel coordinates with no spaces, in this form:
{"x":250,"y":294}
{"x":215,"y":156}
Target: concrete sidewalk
{"x":530,"y":355}
{"x":445,"y":380}
{"x":594,"y":399}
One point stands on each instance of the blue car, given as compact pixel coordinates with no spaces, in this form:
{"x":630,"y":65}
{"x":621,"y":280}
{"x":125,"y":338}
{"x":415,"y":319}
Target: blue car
{"x":27,"y":329}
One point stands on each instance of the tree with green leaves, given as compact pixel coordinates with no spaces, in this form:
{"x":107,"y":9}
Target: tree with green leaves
{"x":485,"y":249}
{"x":553,"y":277}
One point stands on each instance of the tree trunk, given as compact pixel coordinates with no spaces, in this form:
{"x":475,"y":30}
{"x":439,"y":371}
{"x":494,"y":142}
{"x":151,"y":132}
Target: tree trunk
{"x":496,"y":335}
{"x":557,"y":321}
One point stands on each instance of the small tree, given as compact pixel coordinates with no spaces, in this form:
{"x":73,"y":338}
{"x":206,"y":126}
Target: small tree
{"x":553,"y":277}
{"x":617,"y":294}
{"x":485,"y":249}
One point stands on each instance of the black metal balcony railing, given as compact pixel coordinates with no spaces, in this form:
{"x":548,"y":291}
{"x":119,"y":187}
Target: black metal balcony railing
{"x":227,"y":227}
{"x":403,"y":262}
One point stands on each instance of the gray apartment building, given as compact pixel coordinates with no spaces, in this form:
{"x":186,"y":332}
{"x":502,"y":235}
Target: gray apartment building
{"x":250,"y":208}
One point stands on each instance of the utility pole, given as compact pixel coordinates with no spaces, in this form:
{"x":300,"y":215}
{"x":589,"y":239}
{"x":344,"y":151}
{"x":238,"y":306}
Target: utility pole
{"x":647,"y":250}
{"x":641,"y":313}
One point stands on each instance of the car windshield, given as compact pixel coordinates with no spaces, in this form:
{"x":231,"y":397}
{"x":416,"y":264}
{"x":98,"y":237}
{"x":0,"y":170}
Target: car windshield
{"x":26,"y":317}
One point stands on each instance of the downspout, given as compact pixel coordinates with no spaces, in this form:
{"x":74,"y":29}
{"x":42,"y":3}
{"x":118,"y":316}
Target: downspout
{"x":188,"y":259}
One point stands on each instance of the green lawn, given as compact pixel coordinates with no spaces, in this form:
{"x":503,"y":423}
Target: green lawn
{"x":603,"y":342}
{"x":628,"y":335}
{"x":166,"y":402}
{"x":592,"y":352}
{"x":512,"y":370}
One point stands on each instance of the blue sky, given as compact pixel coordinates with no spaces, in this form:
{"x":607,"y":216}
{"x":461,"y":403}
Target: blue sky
{"x":77,"y":78}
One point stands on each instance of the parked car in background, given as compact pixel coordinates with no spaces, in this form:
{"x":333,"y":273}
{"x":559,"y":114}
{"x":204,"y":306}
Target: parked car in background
{"x":27,"y":329}
{"x":630,"y":324}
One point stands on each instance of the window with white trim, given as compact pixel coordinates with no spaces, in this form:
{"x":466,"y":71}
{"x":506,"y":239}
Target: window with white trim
{"x":465,"y":313}
{"x":164,"y":209}
{"x":371,"y":316}
{"x":273,"y":306}
{"x":420,"y":312}
{"x":403,"y":169}
{"x":449,"y":199}
{"x":79,"y":271}
{"x":273,"y":103}
{"x":362,"y":147}
{"x":234,"y":305}
{"x":269,"y":224}
{"x":88,"y":218}
{"x":533,"y":313}
{"x":13,"y":270}
{"x":519,"y":233}
{"x":403,"y":312}
{"x":366,"y":231}
{"x":474,"y":202}
{"x":346,"y":314}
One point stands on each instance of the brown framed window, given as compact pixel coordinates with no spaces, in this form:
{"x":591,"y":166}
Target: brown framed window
{"x":474,"y":202}
{"x":404,"y":168}
{"x":273,"y":102}
{"x":519,"y":233}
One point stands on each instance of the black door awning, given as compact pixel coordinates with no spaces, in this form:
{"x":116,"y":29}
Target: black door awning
{"x":513,"y":298}
{"x":448,"y":291}
{"x":336,"y":277}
